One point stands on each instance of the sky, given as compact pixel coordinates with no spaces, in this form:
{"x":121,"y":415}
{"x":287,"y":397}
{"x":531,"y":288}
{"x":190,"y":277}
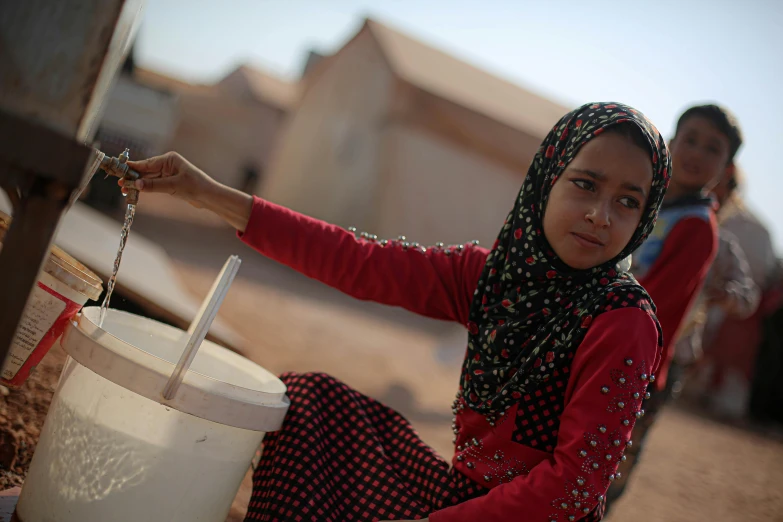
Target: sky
{"x":660,"y":57}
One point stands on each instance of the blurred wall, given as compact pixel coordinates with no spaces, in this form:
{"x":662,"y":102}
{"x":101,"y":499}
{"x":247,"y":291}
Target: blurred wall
{"x":224,"y":135}
{"x":327,"y":161}
{"x":141,"y":114}
{"x":434,"y":190}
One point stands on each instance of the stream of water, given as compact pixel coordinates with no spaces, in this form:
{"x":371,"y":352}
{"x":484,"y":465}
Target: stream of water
{"x":130,"y":212}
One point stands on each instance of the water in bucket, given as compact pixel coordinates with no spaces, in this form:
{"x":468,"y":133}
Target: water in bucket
{"x":104,"y":470}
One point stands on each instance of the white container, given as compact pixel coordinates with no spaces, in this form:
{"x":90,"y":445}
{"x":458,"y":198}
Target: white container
{"x":113,"y":449}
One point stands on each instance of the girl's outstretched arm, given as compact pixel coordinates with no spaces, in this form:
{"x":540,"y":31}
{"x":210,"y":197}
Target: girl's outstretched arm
{"x":172,"y":174}
{"x":435,"y":282}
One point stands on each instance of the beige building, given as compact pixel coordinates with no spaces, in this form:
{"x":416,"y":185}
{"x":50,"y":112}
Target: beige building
{"x":228,"y":128}
{"x":395,"y":137}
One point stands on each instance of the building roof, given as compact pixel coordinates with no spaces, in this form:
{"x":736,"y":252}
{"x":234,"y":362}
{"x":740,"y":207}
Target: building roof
{"x":261,"y":85}
{"x":268,"y":88}
{"x":162,"y":81}
{"x":446,"y":76}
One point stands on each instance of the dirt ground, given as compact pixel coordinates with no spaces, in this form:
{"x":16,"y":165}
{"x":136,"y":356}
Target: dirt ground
{"x":694,"y":468}
{"x":22,"y":414}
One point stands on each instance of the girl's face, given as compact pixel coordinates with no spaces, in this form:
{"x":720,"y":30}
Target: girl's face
{"x":700,"y":154}
{"x":595,"y":206}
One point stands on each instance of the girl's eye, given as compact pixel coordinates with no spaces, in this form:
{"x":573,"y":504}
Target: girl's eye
{"x":584,"y":184}
{"x":629,"y":202}
{"x":713,"y":150}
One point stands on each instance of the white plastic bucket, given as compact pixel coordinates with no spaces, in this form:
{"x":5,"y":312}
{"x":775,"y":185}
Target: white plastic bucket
{"x":113,"y":449}
{"x":63,"y":286}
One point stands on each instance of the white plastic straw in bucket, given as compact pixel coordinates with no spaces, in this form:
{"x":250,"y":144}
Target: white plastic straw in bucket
{"x":200,"y":325}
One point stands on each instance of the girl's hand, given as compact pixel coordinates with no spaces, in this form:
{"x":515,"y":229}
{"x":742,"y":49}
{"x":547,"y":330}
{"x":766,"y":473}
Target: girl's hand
{"x":173,"y":174}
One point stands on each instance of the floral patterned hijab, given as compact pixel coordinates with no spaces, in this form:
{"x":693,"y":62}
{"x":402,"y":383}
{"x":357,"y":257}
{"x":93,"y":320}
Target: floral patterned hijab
{"x":531,"y":311}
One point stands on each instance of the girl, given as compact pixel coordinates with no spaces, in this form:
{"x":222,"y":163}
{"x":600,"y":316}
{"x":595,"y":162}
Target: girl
{"x":561,"y":344}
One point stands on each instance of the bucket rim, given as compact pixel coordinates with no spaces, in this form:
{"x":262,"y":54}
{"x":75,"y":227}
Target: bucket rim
{"x":146,"y":374}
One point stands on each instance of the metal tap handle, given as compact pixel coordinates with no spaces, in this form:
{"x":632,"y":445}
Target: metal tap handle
{"x":118,"y":167}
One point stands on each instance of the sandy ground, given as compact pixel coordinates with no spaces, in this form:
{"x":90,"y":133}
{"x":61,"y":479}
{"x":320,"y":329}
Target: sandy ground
{"x":694,"y":468}
{"x":22,"y":414}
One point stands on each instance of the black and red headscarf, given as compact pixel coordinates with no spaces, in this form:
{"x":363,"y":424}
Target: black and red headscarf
{"x":531,"y":311}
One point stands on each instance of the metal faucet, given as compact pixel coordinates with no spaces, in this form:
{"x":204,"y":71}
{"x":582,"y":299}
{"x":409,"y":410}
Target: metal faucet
{"x":118,"y":167}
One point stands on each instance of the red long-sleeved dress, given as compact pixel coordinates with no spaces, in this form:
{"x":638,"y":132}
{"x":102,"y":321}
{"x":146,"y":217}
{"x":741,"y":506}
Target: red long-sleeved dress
{"x":343,"y":456}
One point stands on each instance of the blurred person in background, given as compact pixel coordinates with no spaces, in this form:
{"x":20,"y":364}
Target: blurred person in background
{"x":561,"y":343}
{"x":673,"y":263}
{"x":728,"y":291}
{"x":731,"y":353}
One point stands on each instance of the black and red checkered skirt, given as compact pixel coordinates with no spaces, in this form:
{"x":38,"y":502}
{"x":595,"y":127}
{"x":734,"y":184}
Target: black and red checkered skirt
{"x":341,"y":455}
